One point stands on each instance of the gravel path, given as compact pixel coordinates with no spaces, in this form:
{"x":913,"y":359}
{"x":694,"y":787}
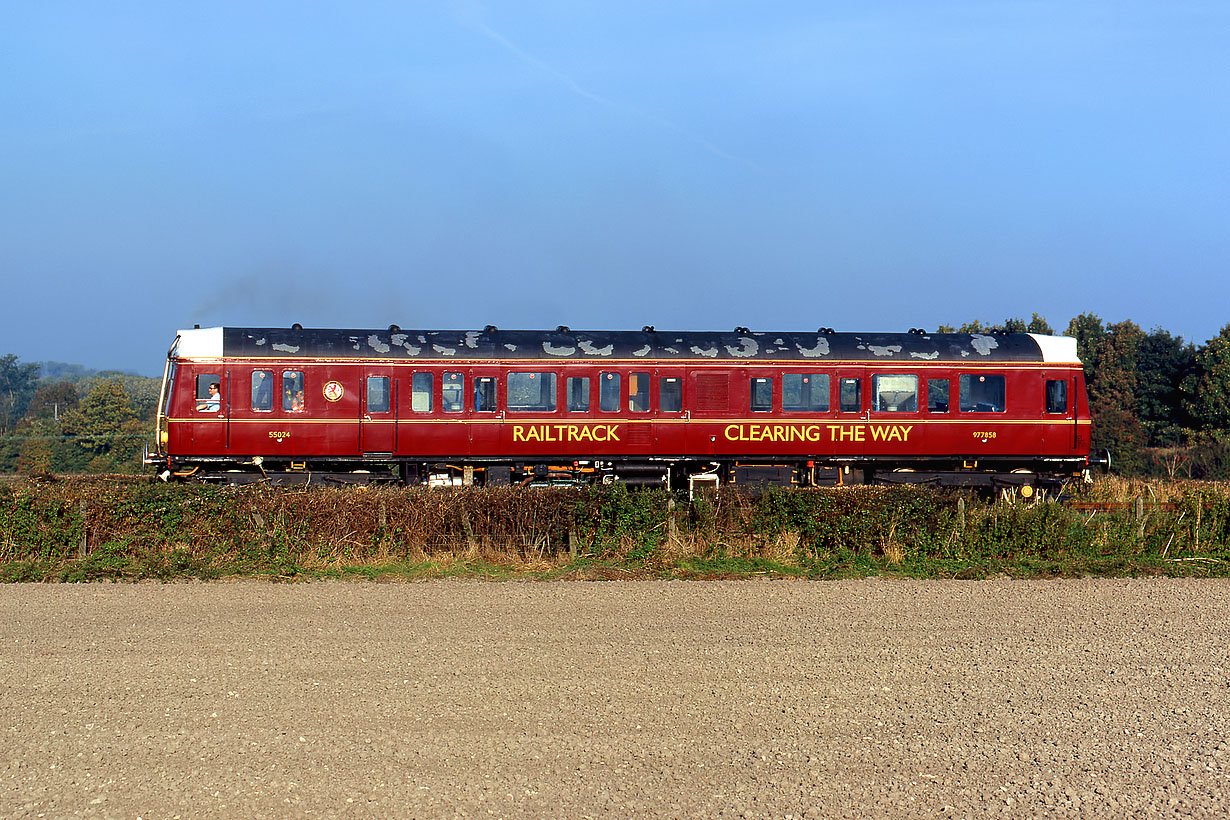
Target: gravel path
{"x":1091,"y":698}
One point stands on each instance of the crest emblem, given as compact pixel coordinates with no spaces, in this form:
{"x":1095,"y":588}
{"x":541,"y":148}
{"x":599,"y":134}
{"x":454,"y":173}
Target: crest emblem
{"x":333,"y":390}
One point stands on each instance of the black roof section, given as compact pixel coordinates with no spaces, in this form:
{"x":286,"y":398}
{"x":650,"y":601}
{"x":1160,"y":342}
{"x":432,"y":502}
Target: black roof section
{"x":562,"y":343}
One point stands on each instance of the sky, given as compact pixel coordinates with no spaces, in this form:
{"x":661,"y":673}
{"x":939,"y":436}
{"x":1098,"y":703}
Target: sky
{"x":855,"y":164}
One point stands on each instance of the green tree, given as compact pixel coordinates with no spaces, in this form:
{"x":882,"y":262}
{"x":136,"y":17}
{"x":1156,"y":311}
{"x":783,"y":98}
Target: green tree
{"x":106,"y":428}
{"x":1209,"y":387}
{"x":1109,"y":356}
{"x":16,"y":389}
{"x":53,"y":400}
{"x":1163,"y":365}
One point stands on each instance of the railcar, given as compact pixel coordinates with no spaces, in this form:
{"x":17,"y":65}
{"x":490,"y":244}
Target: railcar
{"x":678,"y":409}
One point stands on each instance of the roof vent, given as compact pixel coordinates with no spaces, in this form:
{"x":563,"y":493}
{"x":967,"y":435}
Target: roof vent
{"x":825,"y":331}
{"x":296,"y":326}
{"x":490,"y":329}
{"x":918,"y":331}
{"x":742,"y":329}
{"x":394,"y":329}
{"x":563,"y":329}
{"x":647,"y":329}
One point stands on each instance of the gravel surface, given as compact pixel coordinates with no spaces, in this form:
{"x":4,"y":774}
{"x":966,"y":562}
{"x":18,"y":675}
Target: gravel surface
{"x":1089,"y":698}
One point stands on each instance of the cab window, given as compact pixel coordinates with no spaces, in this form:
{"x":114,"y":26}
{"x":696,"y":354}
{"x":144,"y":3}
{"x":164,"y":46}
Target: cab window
{"x":208,"y":393}
{"x":1056,"y":396}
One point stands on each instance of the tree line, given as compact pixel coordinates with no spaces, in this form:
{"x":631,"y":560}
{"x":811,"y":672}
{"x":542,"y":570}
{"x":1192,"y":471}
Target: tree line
{"x":1160,"y":405}
{"x":58,"y":418}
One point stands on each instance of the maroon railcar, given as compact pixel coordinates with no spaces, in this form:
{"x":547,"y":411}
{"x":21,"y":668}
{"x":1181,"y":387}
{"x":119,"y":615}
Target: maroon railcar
{"x":650,"y":407}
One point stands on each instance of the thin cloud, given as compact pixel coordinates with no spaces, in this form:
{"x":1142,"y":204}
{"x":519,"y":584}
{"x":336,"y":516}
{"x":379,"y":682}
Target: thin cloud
{"x":472,"y":16}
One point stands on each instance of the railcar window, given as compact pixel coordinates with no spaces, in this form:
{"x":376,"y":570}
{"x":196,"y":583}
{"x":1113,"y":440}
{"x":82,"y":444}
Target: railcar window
{"x":531,"y":392}
{"x":377,"y":394}
{"x":293,"y":397}
{"x":484,"y":394}
{"x":638,"y":393}
{"x":421,"y":385}
{"x":670,"y":394}
{"x":578,"y":394}
{"x":937,"y":395}
{"x":262,"y":390}
{"x":807,"y":392}
{"x":208,"y":393}
{"x":762,"y":395}
{"x":166,"y":401}
{"x":608,"y":392}
{"x":1056,"y":396}
{"x":851,"y":398}
{"x":982,"y":393}
{"x":894,"y":394}
{"x":453,"y":392}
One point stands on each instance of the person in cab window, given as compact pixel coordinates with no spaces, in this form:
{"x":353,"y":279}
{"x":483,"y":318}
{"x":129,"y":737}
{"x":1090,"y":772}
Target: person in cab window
{"x":211,"y":403}
{"x":296,"y":403}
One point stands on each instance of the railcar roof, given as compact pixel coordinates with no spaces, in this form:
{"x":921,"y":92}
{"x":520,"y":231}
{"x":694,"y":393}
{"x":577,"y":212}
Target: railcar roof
{"x":565,"y":344}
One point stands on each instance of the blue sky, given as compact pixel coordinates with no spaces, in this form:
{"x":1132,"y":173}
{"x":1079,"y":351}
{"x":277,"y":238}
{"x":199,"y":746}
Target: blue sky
{"x":692,"y":165}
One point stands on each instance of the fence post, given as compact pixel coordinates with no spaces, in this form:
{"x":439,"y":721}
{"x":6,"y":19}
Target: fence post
{"x":1140,"y":518}
{"x":84,"y":545}
{"x":961,"y":513}
{"x":671,"y":529}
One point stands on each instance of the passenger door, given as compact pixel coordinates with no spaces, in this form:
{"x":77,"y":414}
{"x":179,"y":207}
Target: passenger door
{"x":378,"y":423}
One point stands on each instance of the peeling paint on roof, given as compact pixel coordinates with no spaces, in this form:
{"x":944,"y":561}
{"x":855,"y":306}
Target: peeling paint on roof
{"x":779,"y":342}
{"x":373,"y":341}
{"x":710,"y":352}
{"x":422,"y":339}
{"x":589,"y":348}
{"x":286,"y":348}
{"x":884,"y":350}
{"x":821,"y":348}
{"x":510,"y":348}
{"x":746,"y":349}
{"x":964,"y":354}
{"x":261,"y":340}
{"x":472,"y":339}
{"x":552,"y":350}
{"x":644,"y":351}
{"x":933,"y":355}
{"x":671,"y":350}
{"x":444,"y":351}
{"x":983,"y":344}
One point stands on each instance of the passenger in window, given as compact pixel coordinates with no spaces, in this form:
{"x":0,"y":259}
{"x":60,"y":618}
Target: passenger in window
{"x":296,"y":403}
{"x":211,"y":403}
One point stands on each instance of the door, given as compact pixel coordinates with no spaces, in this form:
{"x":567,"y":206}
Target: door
{"x":485,"y":415}
{"x":210,"y":413}
{"x":378,"y":424}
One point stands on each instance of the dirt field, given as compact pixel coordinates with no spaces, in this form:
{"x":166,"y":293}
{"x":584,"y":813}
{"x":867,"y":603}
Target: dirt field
{"x":1094,"y":698}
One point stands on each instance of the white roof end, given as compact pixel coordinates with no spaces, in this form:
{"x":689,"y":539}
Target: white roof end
{"x":199,"y":343}
{"x":1057,"y":348}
